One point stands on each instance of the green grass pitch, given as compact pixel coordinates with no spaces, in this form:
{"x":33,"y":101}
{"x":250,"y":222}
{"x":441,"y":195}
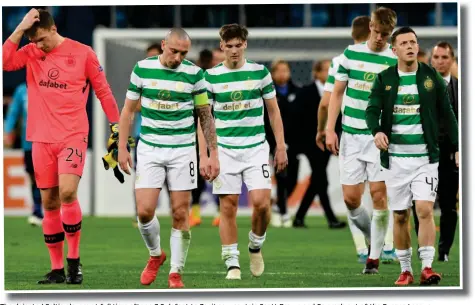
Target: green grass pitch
{"x":113,"y":255}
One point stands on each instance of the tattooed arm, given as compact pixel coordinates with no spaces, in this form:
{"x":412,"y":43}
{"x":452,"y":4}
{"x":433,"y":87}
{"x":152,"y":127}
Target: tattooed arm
{"x":207,"y":126}
{"x":206,"y":123}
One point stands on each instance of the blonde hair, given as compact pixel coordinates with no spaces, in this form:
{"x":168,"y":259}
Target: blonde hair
{"x":385,"y":17}
{"x":278,"y":62}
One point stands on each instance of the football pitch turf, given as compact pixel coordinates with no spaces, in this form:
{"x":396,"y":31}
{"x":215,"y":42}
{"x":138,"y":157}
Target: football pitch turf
{"x":113,"y":255}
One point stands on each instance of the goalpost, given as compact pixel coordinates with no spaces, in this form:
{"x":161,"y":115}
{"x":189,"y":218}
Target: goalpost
{"x":119,"y":49}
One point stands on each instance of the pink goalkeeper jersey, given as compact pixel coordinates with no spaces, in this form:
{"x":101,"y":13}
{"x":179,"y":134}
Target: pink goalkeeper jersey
{"x":58,"y":86}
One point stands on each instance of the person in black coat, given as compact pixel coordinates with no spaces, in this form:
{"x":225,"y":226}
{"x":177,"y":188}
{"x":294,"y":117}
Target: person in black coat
{"x":286,"y":92}
{"x":442,"y":59}
{"x":306,"y":103}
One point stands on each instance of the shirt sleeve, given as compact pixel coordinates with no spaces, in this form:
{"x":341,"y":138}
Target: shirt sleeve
{"x":330,"y":83}
{"x":267,"y":86}
{"x":135,"y":86}
{"x":200,"y":84}
{"x":95,"y":74}
{"x":14,"y":59}
{"x":15,"y":109}
{"x":343,"y":69}
{"x":209,"y":89}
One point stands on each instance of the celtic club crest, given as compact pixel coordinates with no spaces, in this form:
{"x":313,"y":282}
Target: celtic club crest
{"x":164,"y":95}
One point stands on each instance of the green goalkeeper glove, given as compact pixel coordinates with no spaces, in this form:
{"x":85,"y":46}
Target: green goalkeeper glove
{"x":110,"y":160}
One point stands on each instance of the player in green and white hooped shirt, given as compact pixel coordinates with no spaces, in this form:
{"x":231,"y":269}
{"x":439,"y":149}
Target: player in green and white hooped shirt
{"x":360,"y":33}
{"x":169,"y":87}
{"x":411,"y":101}
{"x":238,"y":89}
{"x":358,"y":156}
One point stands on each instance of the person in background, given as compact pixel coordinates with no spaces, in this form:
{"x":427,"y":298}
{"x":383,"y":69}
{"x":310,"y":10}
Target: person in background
{"x":454,"y":70}
{"x":218,"y":56}
{"x":307,"y":102}
{"x":286,"y":180}
{"x":443,"y":59}
{"x":19,"y":107}
{"x":154,"y":49}
{"x":205,"y":62}
{"x":360,"y":32}
{"x":423,"y":57}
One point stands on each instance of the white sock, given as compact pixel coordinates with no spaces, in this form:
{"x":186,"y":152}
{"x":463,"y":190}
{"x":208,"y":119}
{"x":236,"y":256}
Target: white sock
{"x":404,"y":257}
{"x":151,"y":235}
{"x":426,"y":255}
{"x":358,"y":237}
{"x":255,"y":242}
{"x":360,"y":218}
{"x":379,"y":227}
{"x":230,"y":255}
{"x":179,"y":244}
{"x":388,"y":239}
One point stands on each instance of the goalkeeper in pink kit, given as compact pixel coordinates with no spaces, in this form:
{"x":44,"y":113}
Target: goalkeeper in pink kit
{"x":60,"y":72}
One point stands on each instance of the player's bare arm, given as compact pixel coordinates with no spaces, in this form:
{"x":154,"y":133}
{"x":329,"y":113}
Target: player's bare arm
{"x":202,"y":152}
{"x":275,"y":119}
{"x":334,"y":107}
{"x":12,"y":59}
{"x":209,"y":131}
{"x":124,"y":127}
{"x":322,"y":119}
{"x":30,"y":18}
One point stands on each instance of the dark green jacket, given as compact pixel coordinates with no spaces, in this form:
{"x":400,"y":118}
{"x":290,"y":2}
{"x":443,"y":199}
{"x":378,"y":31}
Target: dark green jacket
{"x":434,"y":107}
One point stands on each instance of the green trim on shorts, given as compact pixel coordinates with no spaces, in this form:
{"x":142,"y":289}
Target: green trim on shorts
{"x":167,"y":145}
{"x":241,"y":147}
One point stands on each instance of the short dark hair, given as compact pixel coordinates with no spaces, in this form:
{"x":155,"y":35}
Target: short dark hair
{"x":360,"y":27}
{"x":155,"y":46}
{"x":318,"y":66}
{"x":446,"y":45}
{"x":231,"y":31}
{"x":421,"y":53}
{"x":205,"y":59}
{"x":400,"y":31}
{"x":46,"y":22}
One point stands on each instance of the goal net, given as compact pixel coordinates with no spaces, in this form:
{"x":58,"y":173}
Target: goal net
{"x":119,"y":49}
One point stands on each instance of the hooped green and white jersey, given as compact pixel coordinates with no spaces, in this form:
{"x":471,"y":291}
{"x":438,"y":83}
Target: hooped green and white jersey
{"x":237,"y":96}
{"x":407,"y":136}
{"x":167,"y":99}
{"x":359,"y":67}
{"x":330,"y":83}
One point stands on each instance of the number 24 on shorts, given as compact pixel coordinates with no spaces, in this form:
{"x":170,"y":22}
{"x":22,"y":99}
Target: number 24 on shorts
{"x":71,"y":152}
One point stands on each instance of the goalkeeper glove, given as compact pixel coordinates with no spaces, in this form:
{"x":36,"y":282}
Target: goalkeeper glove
{"x":110,"y":160}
